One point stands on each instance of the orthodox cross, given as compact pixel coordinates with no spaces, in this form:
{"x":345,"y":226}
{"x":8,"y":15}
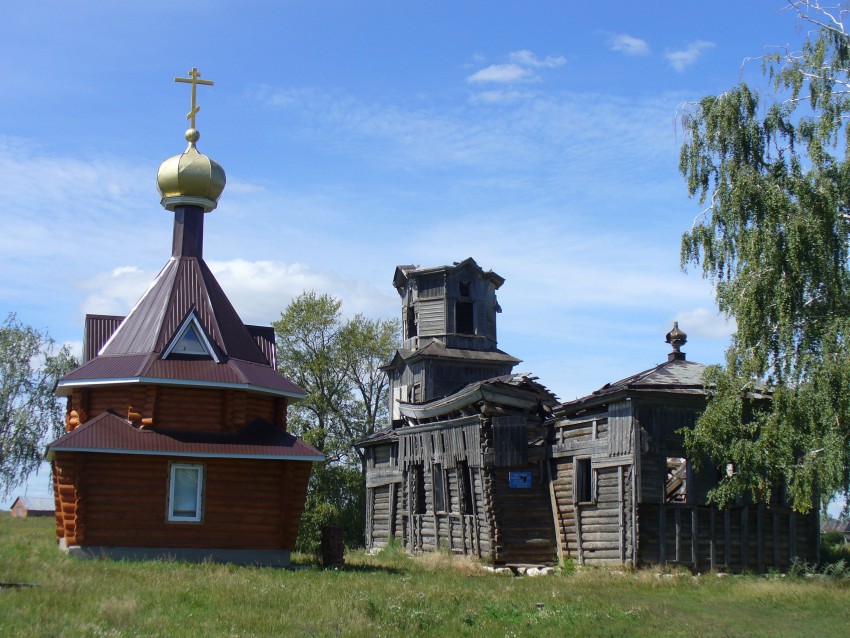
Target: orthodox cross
{"x":194,"y":80}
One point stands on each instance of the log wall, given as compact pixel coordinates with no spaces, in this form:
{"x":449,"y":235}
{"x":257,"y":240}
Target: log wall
{"x":601,"y":529}
{"x":176,"y":407}
{"x":122,"y":500}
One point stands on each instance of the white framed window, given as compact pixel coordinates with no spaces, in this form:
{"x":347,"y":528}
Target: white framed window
{"x":185,"y":492}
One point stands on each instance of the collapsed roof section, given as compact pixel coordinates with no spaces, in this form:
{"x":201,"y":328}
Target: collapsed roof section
{"x":405,"y":272}
{"x":520,"y":391}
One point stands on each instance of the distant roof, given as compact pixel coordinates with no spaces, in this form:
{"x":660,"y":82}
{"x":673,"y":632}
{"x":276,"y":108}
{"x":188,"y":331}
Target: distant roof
{"x":403,"y":273}
{"x":832,"y":525}
{"x":518,"y":390}
{"x":434,"y":348}
{"x":110,"y":434}
{"x":36,"y":503}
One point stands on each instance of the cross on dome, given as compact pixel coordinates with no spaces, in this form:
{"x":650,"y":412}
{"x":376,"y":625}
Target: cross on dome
{"x":194,"y":80}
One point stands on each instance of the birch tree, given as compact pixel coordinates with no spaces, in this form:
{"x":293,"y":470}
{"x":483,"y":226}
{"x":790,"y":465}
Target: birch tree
{"x":771,"y":167}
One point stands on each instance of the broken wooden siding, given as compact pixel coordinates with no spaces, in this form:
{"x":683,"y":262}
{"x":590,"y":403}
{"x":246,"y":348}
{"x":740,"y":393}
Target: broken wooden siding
{"x":738,"y":538}
{"x":598,"y":529}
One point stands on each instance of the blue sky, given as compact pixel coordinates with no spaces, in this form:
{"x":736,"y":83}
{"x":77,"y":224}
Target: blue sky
{"x":539,"y":138}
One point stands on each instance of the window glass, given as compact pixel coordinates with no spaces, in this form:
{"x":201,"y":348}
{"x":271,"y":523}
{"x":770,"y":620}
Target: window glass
{"x":186,"y":481}
{"x":190,"y":343}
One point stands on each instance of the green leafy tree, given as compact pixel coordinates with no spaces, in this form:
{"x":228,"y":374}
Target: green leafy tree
{"x":366,"y":345}
{"x":774,"y":240}
{"x":308,"y":353}
{"x":30,"y":366}
{"x":337,"y":363}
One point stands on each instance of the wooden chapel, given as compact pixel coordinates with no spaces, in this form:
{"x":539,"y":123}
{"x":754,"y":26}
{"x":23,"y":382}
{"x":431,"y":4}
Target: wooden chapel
{"x":176,"y":442}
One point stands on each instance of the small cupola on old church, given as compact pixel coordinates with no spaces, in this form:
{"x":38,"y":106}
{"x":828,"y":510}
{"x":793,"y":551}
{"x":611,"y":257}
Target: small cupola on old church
{"x":676,"y":338}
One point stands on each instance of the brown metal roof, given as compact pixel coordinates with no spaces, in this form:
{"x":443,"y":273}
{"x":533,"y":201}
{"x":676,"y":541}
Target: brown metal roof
{"x":128,"y":350}
{"x":149,"y":368}
{"x":97,"y":332}
{"x":183,"y":285}
{"x":264,"y":336}
{"x":108,"y":433}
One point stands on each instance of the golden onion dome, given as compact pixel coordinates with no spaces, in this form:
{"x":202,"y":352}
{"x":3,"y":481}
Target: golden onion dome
{"x":190,"y":178}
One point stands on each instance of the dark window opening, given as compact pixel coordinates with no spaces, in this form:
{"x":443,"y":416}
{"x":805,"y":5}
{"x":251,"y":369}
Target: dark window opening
{"x":464,"y":323}
{"x":676,"y":485}
{"x":464,"y":288}
{"x":583,"y":481}
{"x":439,"y":488}
{"x":411,"y":322}
{"x":465,"y":477}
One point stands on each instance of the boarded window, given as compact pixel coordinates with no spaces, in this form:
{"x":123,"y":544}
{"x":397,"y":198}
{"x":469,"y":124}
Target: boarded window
{"x":676,"y":485}
{"x":419,"y":506}
{"x":464,"y":317}
{"x":583,"y":481}
{"x":465,"y":478}
{"x":417,"y":393}
{"x":437,"y":479}
{"x":432,"y":286}
{"x":382,"y":454}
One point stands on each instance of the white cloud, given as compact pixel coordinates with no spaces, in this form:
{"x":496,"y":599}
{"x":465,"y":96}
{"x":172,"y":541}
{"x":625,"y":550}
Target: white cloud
{"x":682,"y":59}
{"x":706,"y":323}
{"x":505,"y":73}
{"x":527,"y":58}
{"x":520,"y":68}
{"x":115,"y":292}
{"x":630,"y":45}
{"x":76,"y":348}
{"x":498,"y":96}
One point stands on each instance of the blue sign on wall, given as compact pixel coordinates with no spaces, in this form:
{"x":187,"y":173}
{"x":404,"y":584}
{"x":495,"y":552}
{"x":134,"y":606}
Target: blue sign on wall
{"x":520,"y":479}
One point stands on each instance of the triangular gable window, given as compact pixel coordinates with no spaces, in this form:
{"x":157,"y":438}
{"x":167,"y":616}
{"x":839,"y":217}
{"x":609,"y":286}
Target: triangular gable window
{"x":190,"y":341}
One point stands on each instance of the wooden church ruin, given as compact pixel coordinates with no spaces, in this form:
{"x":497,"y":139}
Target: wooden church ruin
{"x":485,"y":462}
{"x":177,"y":413}
{"x":462,"y":464}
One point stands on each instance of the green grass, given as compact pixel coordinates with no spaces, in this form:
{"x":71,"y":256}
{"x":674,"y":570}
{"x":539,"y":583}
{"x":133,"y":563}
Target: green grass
{"x":389,"y":595}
